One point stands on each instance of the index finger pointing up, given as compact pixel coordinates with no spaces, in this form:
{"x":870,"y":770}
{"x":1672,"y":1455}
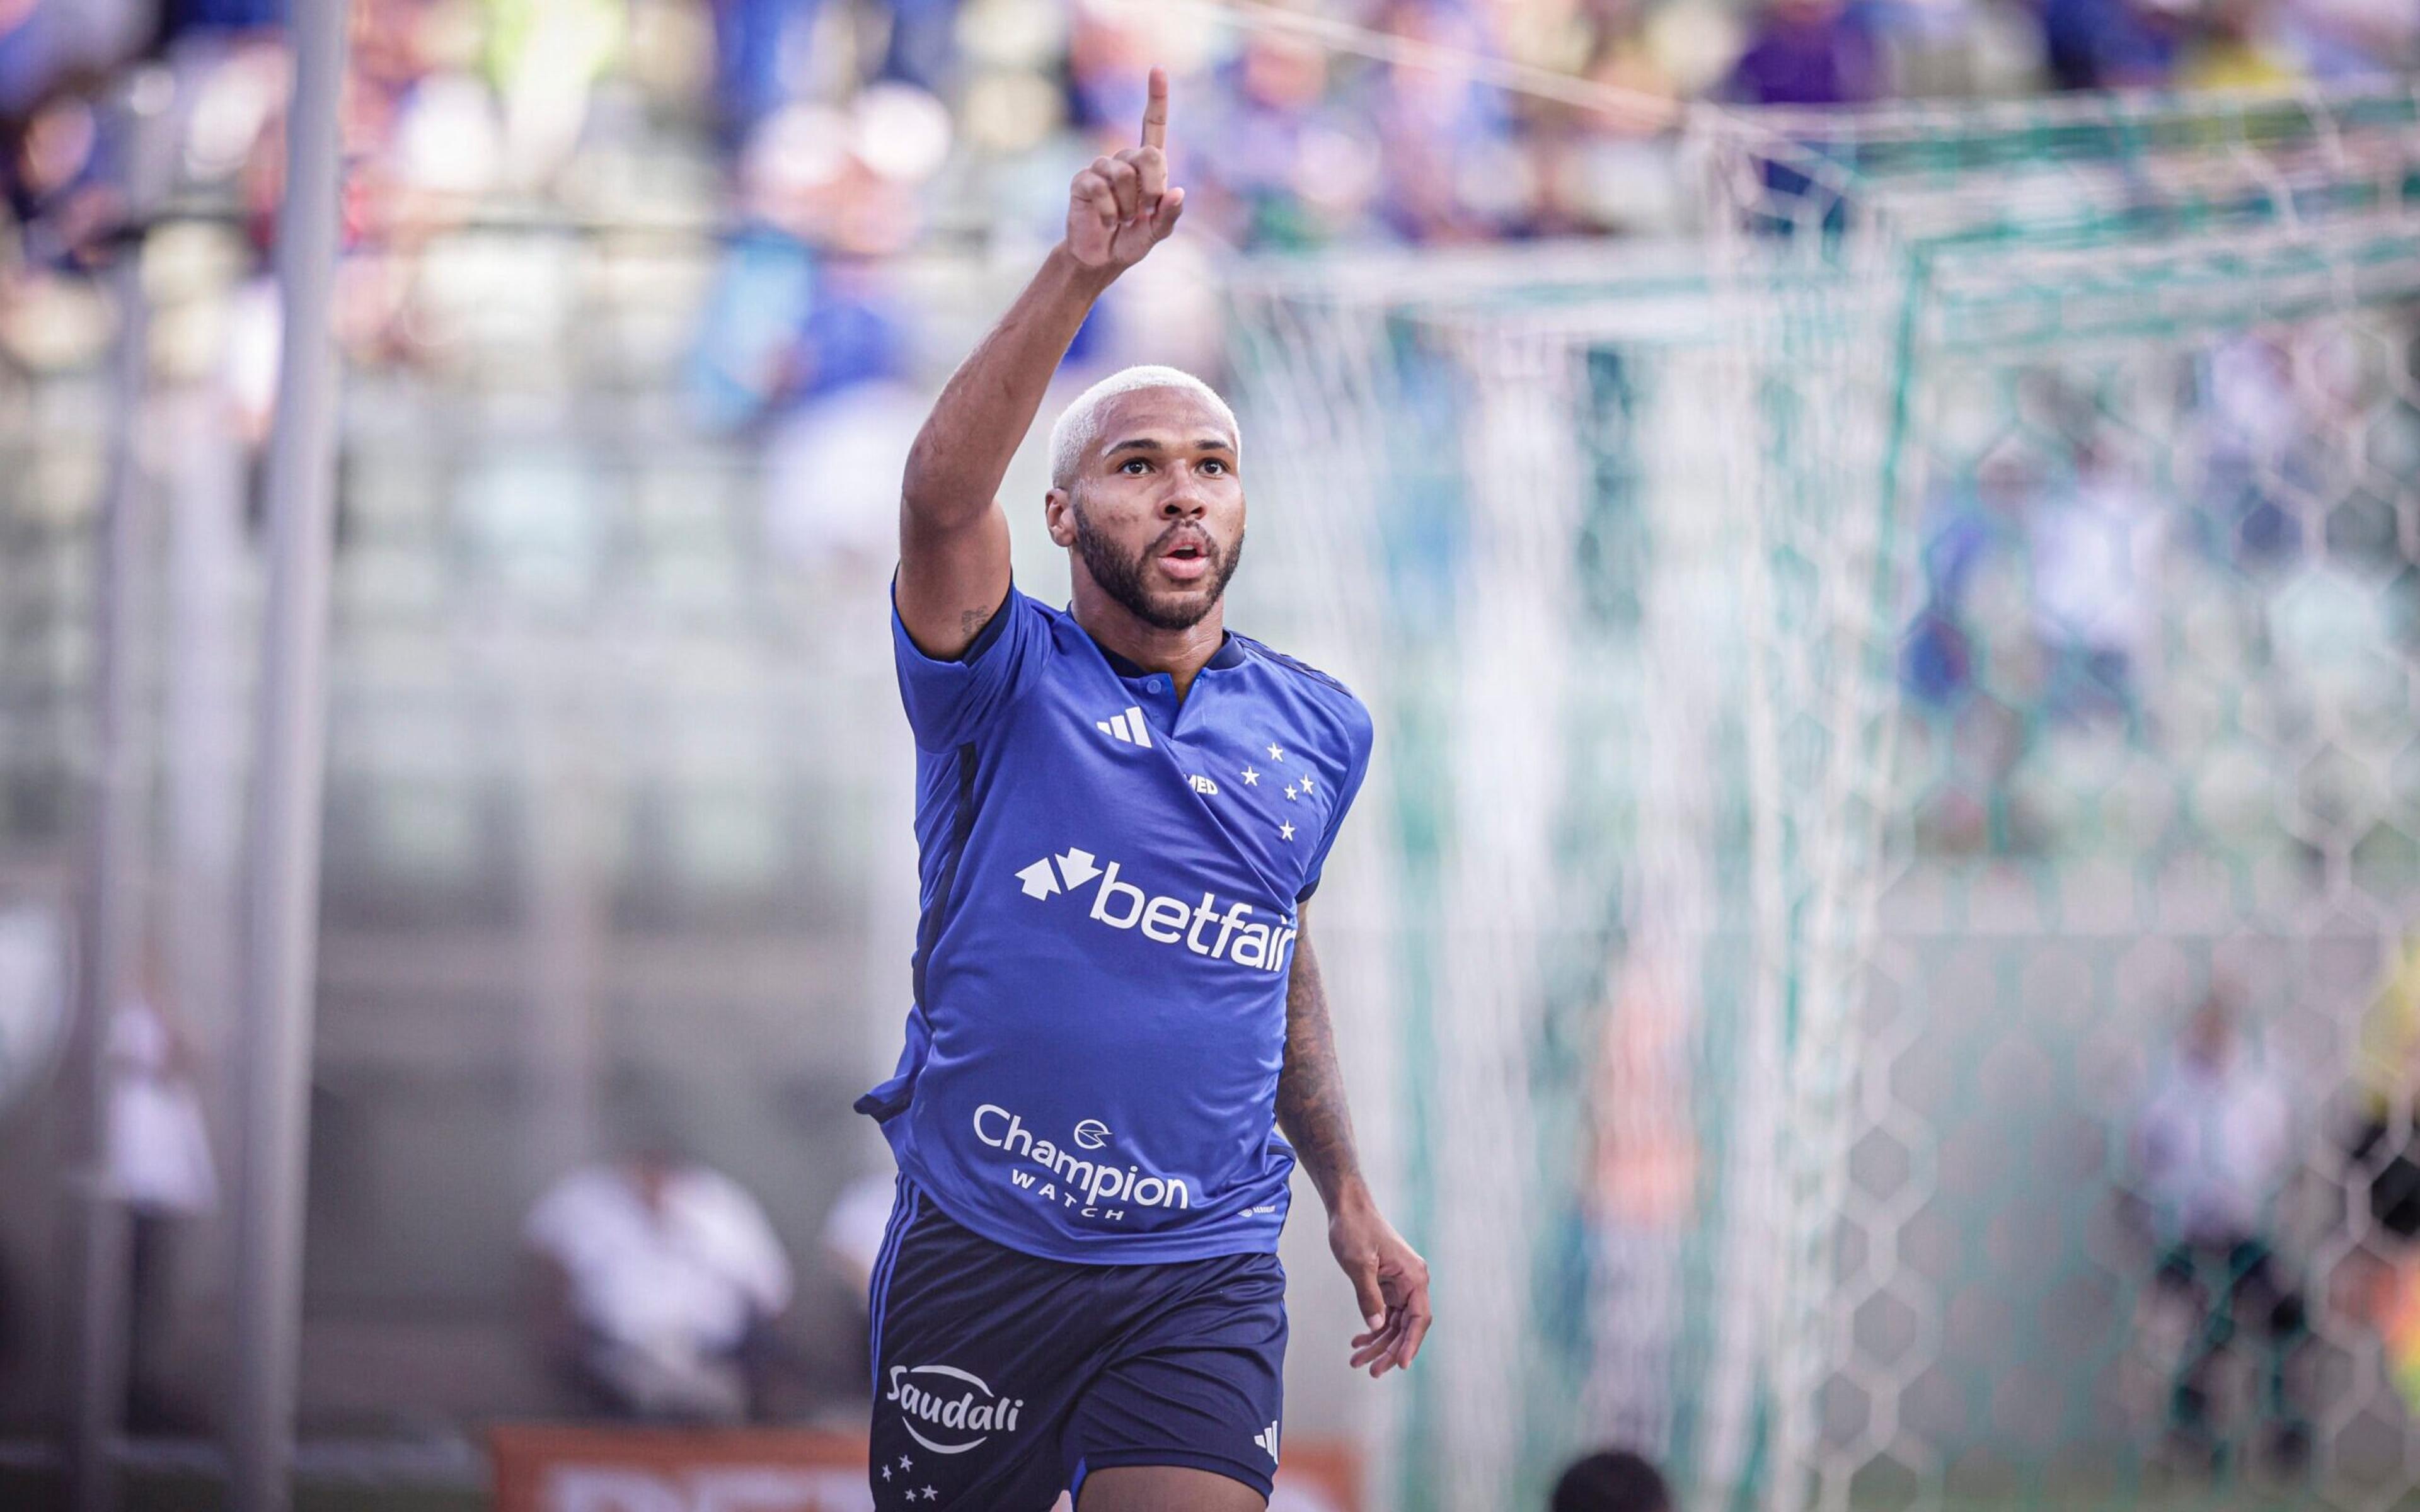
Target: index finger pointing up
{"x":1155,"y":112}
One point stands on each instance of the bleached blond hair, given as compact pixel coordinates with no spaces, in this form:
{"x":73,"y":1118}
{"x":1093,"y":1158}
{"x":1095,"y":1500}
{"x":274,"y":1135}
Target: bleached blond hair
{"x":1080,"y":425}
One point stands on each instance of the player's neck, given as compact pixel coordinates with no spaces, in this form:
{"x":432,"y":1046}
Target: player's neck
{"x":1180,"y":653}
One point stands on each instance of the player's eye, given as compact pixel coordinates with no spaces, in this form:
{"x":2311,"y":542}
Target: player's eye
{"x":1134,"y":467}
{"x":1215,"y":467}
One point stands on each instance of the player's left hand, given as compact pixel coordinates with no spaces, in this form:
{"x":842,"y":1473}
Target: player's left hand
{"x":1390,"y":1282}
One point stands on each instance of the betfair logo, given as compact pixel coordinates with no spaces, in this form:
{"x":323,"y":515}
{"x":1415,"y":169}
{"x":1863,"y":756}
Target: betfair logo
{"x":1205,"y":929}
{"x":1075,"y":866}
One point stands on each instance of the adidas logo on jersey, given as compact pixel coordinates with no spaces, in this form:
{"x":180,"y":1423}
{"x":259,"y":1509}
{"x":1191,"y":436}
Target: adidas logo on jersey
{"x":1267,"y":1439}
{"x":1205,"y":929}
{"x":1127,"y":727}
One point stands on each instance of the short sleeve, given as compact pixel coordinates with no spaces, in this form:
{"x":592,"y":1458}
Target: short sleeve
{"x":950,"y":702}
{"x":1359,"y":768}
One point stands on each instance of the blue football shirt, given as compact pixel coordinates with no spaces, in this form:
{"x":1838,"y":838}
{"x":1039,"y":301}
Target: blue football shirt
{"x":1110,"y":882}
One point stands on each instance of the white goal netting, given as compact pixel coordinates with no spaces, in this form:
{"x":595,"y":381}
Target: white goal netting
{"x":1847,"y":696}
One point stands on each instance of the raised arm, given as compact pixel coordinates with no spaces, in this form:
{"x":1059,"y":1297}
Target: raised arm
{"x":952,"y":536}
{"x":1391,"y":1280}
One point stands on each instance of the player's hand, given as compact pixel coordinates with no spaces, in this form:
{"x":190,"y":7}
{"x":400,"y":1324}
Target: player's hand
{"x":1389,"y":1280}
{"x":1121,"y":207}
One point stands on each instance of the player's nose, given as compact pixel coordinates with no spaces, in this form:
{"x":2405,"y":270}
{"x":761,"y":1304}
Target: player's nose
{"x":1184,"y":497}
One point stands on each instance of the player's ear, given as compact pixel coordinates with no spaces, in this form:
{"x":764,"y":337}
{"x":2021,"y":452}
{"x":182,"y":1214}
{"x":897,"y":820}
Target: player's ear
{"x":1058,"y":517}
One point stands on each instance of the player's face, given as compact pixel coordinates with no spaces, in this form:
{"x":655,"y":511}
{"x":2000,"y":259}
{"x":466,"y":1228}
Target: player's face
{"x":1155,"y":516}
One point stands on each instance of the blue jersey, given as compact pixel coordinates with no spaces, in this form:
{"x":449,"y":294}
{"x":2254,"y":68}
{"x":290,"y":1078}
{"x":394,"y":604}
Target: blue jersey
{"x":1110,"y":882}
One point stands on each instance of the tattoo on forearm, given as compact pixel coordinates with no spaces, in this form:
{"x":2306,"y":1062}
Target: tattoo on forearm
{"x":1311,"y":1087}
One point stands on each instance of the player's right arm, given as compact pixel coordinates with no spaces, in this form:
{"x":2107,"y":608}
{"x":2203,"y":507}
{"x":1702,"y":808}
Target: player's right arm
{"x":952,"y":535}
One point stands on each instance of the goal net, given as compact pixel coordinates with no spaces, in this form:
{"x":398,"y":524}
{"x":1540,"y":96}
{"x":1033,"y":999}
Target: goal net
{"x":1849,"y":692}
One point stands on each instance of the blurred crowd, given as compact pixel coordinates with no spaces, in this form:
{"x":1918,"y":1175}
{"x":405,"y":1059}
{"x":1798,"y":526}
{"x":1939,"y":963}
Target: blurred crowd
{"x":2047,"y":651}
{"x":816,"y":141}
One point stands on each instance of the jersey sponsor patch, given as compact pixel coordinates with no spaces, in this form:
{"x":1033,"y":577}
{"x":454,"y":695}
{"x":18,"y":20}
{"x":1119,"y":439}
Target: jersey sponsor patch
{"x":1210,"y":928}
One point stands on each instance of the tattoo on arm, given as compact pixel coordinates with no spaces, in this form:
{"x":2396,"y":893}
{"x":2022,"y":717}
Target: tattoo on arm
{"x":1311,"y":1087}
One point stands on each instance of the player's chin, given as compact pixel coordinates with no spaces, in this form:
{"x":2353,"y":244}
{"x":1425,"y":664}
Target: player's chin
{"x":1182,"y":608}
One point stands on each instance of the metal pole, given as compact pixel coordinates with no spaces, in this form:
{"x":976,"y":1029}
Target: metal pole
{"x":114,"y":860}
{"x":289,"y":745}
{"x":559,"y":1029}
{"x":111,"y":914}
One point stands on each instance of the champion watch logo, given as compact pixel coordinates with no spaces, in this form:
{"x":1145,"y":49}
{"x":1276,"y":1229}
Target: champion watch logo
{"x":1225,"y":932}
{"x":1127,"y":727}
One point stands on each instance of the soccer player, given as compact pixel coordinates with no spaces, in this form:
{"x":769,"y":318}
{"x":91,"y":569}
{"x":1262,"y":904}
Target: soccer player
{"x":1121,"y":810}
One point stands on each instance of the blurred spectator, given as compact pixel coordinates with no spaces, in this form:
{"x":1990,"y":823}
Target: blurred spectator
{"x":854,"y":1227}
{"x":1957,"y":647}
{"x":1969,"y":525}
{"x":2112,"y":44}
{"x":545,"y":57}
{"x":2384,"y":1158}
{"x":658,"y":1284}
{"x":1448,"y":169}
{"x":762,"y":62}
{"x":187,"y":18}
{"x":831,"y":478}
{"x":62,"y":167}
{"x":1808,"y":52}
{"x":158,"y":1166}
{"x":2353,"y":38}
{"x":2095,"y":547}
{"x":1293,"y":167}
{"x":2212,"y":1149}
{"x":2238,"y":47}
{"x":2259,"y":435}
{"x":853,"y":1234}
{"x":757,"y":46}
{"x":1611,"y":1480}
{"x":2388,"y":1073}
{"x":45,"y":42}
{"x":1641,"y":1167}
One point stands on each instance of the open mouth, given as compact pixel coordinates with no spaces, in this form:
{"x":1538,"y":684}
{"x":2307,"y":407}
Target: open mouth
{"x":1185,"y":557}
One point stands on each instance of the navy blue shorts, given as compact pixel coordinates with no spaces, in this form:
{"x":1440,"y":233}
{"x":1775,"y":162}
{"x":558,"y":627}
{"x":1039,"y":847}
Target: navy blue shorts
{"x":1001,"y":1379}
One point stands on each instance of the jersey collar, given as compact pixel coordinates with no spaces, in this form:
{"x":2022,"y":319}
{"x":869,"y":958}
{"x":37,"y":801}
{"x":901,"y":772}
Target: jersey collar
{"x":1230,"y":652}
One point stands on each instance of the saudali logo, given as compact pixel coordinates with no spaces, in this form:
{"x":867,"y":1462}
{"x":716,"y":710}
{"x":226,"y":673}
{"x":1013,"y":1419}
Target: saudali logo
{"x":1227,"y":932}
{"x":949,"y":1411}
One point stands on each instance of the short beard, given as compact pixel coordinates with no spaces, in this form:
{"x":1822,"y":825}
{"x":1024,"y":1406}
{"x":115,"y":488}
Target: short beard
{"x":1122,"y":578}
